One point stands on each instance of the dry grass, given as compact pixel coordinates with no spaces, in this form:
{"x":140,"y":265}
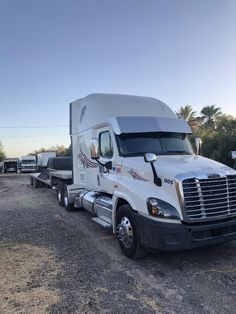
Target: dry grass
{"x":26,"y":272}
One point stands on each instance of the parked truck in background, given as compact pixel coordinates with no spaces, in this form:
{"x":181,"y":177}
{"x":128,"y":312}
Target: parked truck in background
{"x":11,"y":165}
{"x":134,"y":169}
{"x":28,"y":163}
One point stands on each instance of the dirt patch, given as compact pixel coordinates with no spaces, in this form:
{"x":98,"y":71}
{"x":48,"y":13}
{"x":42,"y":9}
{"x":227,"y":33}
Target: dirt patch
{"x":25,"y":282}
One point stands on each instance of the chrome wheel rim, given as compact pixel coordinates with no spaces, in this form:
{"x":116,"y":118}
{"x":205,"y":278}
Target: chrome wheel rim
{"x":59,"y":196}
{"x":125,"y":232}
{"x":66,"y":201}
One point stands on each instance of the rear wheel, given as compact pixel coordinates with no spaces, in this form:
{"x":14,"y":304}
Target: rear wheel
{"x":68,"y":206}
{"x":60,"y":194}
{"x":127,"y":233}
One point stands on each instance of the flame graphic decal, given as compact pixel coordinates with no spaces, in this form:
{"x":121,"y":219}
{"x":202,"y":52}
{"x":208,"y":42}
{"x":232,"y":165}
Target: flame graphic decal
{"x":136,"y":176}
{"x":86,"y":162}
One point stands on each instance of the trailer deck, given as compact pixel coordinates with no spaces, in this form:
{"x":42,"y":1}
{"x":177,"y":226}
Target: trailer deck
{"x":47,"y":177}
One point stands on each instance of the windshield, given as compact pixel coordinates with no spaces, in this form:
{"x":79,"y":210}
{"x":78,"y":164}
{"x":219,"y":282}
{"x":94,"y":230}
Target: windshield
{"x":159,"y":143}
{"x":30,"y":161}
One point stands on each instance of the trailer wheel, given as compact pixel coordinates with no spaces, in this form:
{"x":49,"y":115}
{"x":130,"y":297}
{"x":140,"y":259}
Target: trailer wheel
{"x":68,"y":206}
{"x":60,"y":194}
{"x":127,"y":233}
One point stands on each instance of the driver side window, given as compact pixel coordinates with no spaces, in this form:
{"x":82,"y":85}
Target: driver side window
{"x":105,"y":145}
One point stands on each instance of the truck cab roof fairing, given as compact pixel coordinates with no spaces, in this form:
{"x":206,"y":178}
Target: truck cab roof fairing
{"x":96,"y":109}
{"x":149,"y":124}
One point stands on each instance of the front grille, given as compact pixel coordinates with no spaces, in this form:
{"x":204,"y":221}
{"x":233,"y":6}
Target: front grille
{"x":210,"y":198}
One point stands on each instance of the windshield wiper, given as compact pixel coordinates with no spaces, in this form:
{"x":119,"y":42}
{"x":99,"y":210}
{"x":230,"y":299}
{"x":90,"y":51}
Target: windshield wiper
{"x":177,"y":152}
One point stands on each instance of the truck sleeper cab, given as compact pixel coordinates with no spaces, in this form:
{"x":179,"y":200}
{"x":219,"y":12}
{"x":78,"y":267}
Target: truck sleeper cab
{"x":28,"y":164}
{"x":134,"y":169}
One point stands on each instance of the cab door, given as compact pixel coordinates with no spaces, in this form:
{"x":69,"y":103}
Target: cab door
{"x":108,"y":154}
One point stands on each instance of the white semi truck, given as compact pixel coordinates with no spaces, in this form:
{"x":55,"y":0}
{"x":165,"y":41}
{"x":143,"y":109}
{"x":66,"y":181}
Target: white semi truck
{"x":28,"y":163}
{"x":134,"y":169}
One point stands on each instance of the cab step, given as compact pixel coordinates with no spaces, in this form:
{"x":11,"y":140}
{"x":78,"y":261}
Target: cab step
{"x":101,"y":222}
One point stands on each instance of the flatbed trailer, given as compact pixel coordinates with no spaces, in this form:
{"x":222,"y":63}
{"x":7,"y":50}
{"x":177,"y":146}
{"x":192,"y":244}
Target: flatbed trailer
{"x":51,"y":179}
{"x":57,"y":176}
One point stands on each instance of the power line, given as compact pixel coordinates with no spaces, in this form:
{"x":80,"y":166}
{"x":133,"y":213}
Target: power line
{"x":45,"y":135}
{"x":34,"y":127}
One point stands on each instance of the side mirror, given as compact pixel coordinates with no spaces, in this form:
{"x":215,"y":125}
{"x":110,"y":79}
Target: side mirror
{"x":150,"y":157}
{"x":233,"y":154}
{"x":94,"y":149}
{"x":108,"y":165}
{"x":198,"y":143}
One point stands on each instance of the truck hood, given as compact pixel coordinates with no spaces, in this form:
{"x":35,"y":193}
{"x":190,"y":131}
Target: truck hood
{"x":192,"y":166}
{"x":137,"y":177}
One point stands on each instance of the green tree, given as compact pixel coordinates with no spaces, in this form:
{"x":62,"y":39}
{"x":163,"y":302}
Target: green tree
{"x":190,"y":116}
{"x":68,"y":151}
{"x":226,"y":124}
{"x":41,"y":150}
{"x":2,"y":153}
{"x":210,"y":114}
{"x":60,"y":150}
{"x":217,"y":145}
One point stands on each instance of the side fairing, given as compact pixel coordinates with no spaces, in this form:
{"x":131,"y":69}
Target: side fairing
{"x":85,"y":169}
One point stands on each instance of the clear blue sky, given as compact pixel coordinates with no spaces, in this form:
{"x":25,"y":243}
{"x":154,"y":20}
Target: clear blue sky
{"x":55,"y":51}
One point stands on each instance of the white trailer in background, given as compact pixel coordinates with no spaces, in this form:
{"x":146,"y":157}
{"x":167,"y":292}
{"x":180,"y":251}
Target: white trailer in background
{"x":42,"y":159}
{"x":28,"y":163}
{"x":134,"y":169}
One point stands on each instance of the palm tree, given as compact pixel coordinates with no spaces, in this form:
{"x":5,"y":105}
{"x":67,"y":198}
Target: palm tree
{"x":210,"y":115}
{"x":226,"y":124}
{"x":189,"y":115}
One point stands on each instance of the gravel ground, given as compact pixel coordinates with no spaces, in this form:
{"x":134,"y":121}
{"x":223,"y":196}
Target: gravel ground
{"x":52,"y":261}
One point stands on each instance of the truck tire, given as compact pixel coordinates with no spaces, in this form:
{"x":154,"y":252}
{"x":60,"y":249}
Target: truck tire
{"x":68,"y":206}
{"x":60,"y":194}
{"x":127,"y":233}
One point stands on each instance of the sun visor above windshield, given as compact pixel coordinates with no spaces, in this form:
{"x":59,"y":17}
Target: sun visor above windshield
{"x":149,"y":124}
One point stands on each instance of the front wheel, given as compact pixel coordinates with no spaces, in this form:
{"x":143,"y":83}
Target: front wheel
{"x":127,"y":233}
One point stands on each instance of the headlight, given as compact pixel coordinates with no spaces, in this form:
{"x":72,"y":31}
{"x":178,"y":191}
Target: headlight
{"x":161,"y":209}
